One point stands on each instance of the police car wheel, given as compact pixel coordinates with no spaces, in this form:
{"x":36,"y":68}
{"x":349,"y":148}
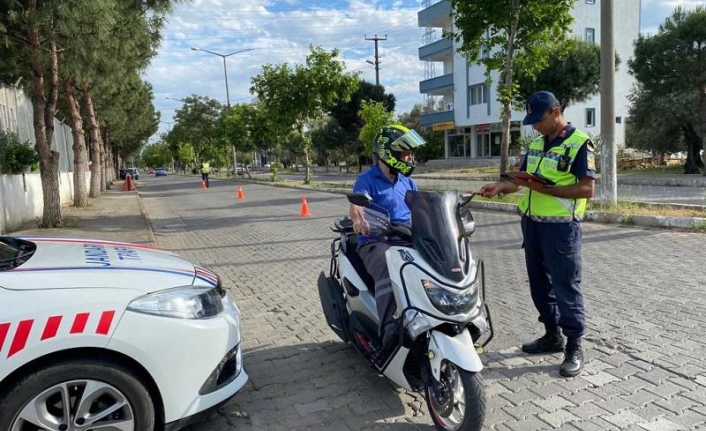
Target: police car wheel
{"x":78,"y":394}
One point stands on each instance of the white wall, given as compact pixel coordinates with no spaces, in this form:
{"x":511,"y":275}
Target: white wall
{"x":22,"y":198}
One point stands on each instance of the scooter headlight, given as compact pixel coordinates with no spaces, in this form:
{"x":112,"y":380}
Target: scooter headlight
{"x":450,"y":301}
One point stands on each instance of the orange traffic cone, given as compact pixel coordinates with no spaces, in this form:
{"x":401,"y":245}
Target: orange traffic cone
{"x":128,"y":185}
{"x":240,"y":193}
{"x":305,"y":208}
{"x":203,"y":185}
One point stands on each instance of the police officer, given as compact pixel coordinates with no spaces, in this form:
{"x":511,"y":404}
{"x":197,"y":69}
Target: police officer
{"x":205,"y":170}
{"x":551,"y":209}
{"x":386,"y":183}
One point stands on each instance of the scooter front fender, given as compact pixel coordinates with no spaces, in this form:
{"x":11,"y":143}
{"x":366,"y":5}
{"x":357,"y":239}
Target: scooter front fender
{"x":458,"y":349}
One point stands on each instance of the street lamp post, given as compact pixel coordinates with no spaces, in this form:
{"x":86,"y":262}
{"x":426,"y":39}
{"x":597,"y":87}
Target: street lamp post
{"x":225,"y":70}
{"x":225,"y":74}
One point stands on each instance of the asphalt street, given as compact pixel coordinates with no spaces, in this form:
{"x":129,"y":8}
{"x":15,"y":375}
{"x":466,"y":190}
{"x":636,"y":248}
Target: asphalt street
{"x":645,"y":294}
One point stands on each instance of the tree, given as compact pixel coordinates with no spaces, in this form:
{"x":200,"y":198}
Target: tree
{"x":674,"y":61}
{"x":665,"y":123}
{"x":374,"y":116}
{"x":302,"y":96}
{"x":573,"y":74}
{"x":327,"y":139}
{"x":197,"y":123}
{"x":434,"y":148}
{"x":501,"y":33}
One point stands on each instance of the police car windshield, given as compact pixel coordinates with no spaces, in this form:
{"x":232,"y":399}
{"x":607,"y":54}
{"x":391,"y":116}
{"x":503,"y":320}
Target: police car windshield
{"x":14,"y":252}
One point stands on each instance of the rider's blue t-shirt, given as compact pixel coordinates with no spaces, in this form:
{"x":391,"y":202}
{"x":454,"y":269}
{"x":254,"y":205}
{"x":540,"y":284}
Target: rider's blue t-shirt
{"x":385,"y":194}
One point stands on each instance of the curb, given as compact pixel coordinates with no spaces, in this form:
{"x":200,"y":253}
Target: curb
{"x":614,"y":218}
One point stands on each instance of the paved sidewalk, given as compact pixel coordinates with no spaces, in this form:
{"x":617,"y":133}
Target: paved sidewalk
{"x":114,"y":216}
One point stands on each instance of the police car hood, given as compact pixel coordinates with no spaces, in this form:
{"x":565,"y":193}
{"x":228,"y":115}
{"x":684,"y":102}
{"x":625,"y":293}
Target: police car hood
{"x":61,"y":263}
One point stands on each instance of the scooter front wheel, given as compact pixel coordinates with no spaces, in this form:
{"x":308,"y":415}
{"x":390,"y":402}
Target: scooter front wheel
{"x":457,"y":401}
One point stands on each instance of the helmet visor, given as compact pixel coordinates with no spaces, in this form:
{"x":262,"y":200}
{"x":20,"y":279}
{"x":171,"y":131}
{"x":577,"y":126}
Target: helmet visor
{"x":408,"y":142}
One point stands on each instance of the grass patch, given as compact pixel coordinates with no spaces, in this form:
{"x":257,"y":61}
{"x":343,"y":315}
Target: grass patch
{"x":655,"y":170}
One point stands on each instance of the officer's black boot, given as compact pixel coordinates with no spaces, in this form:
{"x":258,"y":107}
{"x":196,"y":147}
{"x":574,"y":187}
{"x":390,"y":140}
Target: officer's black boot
{"x":551,"y":342}
{"x":573,"y":358}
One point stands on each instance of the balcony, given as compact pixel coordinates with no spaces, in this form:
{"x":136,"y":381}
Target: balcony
{"x":438,"y":85}
{"x":436,"y":51}
{"x":437,"y":15}
{"x":428,"y":120}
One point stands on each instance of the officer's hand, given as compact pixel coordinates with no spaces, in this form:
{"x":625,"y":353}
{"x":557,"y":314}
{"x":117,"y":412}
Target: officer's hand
{"x":491,"y":189}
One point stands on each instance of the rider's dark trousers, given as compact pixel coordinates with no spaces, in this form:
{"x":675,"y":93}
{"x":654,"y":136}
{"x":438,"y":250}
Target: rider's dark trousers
{"x":553,"y":257}
{"x":373,"y":256}
{"x":204,"y":178}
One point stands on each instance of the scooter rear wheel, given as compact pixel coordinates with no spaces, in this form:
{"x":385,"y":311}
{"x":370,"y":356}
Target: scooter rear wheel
{"x":458,"y":404}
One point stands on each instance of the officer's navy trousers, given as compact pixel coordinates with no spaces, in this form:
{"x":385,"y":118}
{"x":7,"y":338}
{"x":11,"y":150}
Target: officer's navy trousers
{"x":553,"y":257}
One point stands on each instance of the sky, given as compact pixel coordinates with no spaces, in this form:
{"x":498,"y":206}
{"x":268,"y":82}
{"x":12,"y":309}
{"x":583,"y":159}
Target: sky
{"x":281,"y":31}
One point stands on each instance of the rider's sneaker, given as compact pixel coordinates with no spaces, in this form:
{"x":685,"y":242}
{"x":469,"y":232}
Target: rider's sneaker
{"x":551,"y":342}
{"x":573,"y":358}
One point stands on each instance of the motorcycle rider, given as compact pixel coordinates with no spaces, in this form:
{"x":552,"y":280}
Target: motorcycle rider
{"x":386,"y":182}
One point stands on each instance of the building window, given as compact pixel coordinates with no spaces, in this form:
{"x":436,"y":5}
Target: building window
{"x":590,"y":117}
{"x":591,"y":35}
{"x":476,"y":94}
{"x":590,"y":1}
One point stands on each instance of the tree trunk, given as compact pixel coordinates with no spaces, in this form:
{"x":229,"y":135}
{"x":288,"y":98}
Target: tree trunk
{"x":105,"y":162}
{"x":702,"y":117}
{"x":44,"y":109}
{"x":79,"y":147}
{"x":96,"y":143}
{"x":506,"y":91}
{"x":693,"y":147}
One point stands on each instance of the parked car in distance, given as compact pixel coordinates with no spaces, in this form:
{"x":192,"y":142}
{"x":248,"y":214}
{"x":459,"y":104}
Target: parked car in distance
{"x":110,"y":335}
{"x":160,"y":172}
{"x":134,"y":173}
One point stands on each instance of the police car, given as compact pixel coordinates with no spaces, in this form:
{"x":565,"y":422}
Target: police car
{"x":108,"y":335}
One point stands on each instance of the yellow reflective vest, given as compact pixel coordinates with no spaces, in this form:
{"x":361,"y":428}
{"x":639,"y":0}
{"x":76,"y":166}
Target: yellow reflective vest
{"x":554,"y":164}
{"x":205,"y":168}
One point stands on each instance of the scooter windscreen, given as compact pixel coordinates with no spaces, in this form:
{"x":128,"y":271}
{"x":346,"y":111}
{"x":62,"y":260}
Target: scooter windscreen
{"x":437,"y":232}
{"x":378,"y":221}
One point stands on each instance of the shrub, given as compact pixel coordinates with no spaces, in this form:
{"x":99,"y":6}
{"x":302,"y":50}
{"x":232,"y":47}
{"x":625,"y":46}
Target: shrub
{"x":16,"y":156}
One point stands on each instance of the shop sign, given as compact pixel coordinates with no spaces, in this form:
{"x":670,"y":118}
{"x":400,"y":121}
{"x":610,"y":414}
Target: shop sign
{"x":482,"y":127}
{"x":446,"y":125}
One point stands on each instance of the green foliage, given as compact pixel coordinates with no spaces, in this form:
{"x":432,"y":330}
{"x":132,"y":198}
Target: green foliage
{"x":16,"y":157}
{"x":374,"y":116}
{"x":434,"y":148}
{"x":670,"y":69}
{"x":573,"y":73}
{"x":298,"y":98}
{"x":156,"y":155}
{"x":197,"y":123}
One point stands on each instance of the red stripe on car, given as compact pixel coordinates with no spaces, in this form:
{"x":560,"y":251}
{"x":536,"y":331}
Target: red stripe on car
{"x":4,"y":327}
{"x":104,"y":323}
{"x":21,"y":336}
{"x":52,"y":327}
{"x":79,"y":323}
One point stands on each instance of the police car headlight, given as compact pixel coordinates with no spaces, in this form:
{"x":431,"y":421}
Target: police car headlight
{"x":186,"y":302}
{"x":450,"y":301}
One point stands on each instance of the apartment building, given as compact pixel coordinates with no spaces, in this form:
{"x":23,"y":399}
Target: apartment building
{"x":470,"y":117}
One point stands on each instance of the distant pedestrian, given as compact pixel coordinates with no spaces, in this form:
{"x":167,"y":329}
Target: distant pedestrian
{"x":205,"y":170}
{"x":551,"y":228}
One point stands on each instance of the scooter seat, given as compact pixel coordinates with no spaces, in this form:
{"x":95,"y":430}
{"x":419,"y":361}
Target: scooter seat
{"x":351,"y":253}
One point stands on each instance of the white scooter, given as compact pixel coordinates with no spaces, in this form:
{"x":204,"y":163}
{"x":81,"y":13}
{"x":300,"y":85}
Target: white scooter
{"x":441,"y":313}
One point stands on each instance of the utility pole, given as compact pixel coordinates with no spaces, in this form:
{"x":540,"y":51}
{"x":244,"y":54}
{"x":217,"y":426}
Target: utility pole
{"x":609,"y":176}
{"x":377,"y":57}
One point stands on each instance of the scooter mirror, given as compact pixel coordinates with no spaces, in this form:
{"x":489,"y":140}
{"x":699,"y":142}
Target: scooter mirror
{"x":359,"y":199}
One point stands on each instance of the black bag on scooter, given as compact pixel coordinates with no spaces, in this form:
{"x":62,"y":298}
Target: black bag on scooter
{"x":333,"y":305}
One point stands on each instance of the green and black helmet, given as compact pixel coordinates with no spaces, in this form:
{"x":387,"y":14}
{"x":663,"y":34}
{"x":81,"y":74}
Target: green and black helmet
{"x":391,"y":141}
